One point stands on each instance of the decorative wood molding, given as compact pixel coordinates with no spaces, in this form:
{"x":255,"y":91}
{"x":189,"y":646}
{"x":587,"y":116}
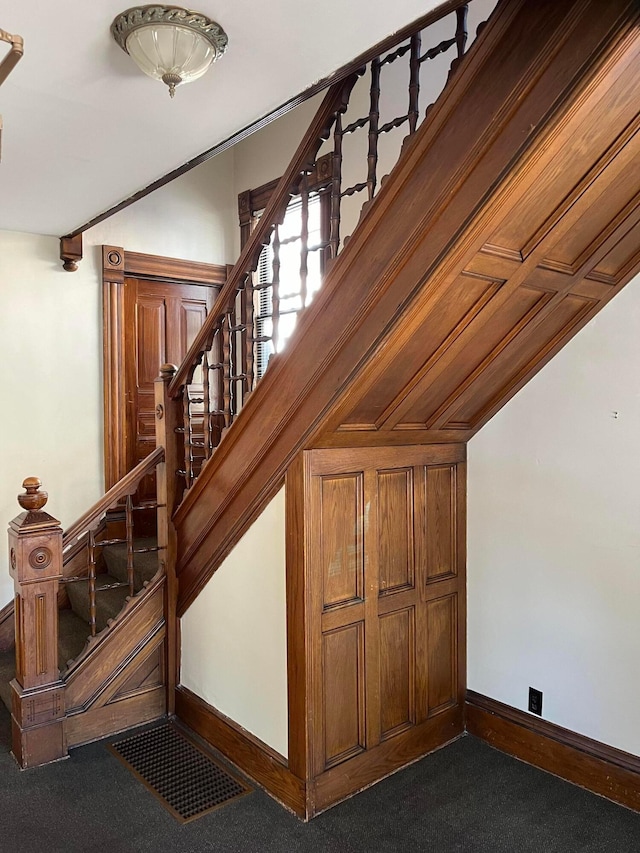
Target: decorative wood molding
{"x":246,"y":751}
{"x":337,"y":76}
{"x":166,"y":269}
{"x":71,"y":252}
{"x":576,"y":758}
{"x":252,"y":201}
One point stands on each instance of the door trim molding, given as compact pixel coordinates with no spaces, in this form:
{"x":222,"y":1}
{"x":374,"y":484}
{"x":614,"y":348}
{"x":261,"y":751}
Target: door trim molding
{"x":116,"y":265}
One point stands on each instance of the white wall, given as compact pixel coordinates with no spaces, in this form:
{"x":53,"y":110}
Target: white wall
{"x":554,"y":536}
{"x":193,"y":217}
{"x":234,"y":645}
{"x":50,"y":425}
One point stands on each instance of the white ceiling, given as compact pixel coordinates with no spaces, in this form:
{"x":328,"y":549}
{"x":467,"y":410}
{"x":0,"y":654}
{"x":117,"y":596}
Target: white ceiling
{"x":84,"y":128}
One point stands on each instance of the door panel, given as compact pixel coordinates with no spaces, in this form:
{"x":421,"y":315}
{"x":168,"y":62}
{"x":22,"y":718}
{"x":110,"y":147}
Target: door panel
{"x":386,"y":579}
{"x":161,"y":319}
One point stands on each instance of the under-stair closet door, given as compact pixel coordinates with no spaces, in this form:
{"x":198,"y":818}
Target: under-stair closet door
{"x":386,"y":573}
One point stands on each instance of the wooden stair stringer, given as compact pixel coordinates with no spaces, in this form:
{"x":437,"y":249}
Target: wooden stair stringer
{"x":536,"y":77}
{"x":110,"y":688}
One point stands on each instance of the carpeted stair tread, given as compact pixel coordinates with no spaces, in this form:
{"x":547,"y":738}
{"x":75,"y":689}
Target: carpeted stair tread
{"x":7,"y":673}
{"x":73,"y":634}
{"x":109,"y":602}
{"x":145,"y":565}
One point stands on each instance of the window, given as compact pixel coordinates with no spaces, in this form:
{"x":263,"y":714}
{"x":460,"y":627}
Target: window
{"x":288,"y":276}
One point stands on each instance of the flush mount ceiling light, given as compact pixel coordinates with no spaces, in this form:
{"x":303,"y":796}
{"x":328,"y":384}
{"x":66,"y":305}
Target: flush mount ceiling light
{"x":169,"y":43}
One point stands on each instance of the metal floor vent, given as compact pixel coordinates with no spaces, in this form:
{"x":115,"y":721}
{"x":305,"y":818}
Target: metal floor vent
{"x":187,"y":781}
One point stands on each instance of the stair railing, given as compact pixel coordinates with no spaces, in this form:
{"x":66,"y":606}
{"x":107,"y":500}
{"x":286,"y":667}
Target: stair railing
{"x":38,"y":552}
{"x":83,"y":532}
{"x":219,"y":371}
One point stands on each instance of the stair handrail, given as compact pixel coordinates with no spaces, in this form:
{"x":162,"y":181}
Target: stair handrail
{"x":336,"y":99}
{"x":124,"y":487}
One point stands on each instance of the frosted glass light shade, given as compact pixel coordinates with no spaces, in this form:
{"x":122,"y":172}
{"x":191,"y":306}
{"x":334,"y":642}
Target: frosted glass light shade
{"x":169,"y":43}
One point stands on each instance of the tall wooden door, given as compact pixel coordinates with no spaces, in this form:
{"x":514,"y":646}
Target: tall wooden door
{"x":384,"y":592}
{"x":161,"y":321}
{"x":153,"y":306}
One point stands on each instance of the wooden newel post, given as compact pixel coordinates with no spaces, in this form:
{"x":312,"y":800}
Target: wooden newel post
{"x":35,"y":559}
{"x":167,"y":420}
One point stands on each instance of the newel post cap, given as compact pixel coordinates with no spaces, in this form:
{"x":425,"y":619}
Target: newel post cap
{"x":34,"y":520}
{"x":168,"y":371}
{"x":34,"y":499}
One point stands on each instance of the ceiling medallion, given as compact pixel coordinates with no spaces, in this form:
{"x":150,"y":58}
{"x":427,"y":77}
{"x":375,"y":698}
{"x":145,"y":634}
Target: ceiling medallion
{"x":169,"y":43}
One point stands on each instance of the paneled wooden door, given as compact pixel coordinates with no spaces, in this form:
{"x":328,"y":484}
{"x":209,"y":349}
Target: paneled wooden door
{"x":385,"y":597}
{"x":161,"y":321}
{"x":153,"y":307}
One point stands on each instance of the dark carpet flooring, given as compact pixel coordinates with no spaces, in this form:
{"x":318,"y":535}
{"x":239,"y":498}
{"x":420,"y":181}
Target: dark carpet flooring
{"x":466,"y":797}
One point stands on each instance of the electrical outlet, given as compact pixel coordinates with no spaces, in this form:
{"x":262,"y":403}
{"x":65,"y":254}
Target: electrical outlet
{"x":535,"y":701}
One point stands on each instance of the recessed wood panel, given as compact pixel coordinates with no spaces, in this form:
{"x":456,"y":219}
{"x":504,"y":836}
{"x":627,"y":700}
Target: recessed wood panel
{"x":397,"y":672}
{"x":505,"y":324}
{"x":193,"y":315}
{"x":622,"y":256}
{"x":452,"y":313}
{"x":342,"y":558}
{"x":521,"y":357}
{"x":151,"y":320}
{"x":561,"y":183}
{"x":343,"y":693}
{"x":612,"y":192}
{"x":395,"y":529}
{"x":442,"y":667}
{"x":441,"y":527}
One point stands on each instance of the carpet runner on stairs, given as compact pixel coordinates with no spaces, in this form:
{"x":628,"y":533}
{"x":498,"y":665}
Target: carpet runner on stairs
{"x":74,"y":622}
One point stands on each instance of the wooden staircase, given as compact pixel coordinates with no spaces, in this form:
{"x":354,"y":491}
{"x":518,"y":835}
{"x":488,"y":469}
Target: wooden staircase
{"x":89,"y":655}
{"x":511,"y":218}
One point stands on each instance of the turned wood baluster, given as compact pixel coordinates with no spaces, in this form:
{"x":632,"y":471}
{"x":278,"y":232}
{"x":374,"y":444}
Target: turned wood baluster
{"x":91,"y":565}
{"x":414,"y":82}
{"x":188,"y":435}
{"x":206,"y":407}
{"x":461,"y":29}
{"x":249,"y":333}
{"x":129,"y":534}
{"x":374,"y":118}
{"x":215,"y":368}
{"x":35,"y":564}
{"x":226,"y":370}
{"x":304,"y":239}
{"x":460,"y":36}
{"x":275,"y":288}
{"x":336,"y":183}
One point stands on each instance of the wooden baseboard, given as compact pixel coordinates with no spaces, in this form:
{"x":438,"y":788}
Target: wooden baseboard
{"x":592,"y":765}
{"x":245,"y":750}
{"x":7,"y":631}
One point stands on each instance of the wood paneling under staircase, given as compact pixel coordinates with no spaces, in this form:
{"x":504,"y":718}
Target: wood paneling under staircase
{"x":376,"y":612}
{"x":509,"y":221}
